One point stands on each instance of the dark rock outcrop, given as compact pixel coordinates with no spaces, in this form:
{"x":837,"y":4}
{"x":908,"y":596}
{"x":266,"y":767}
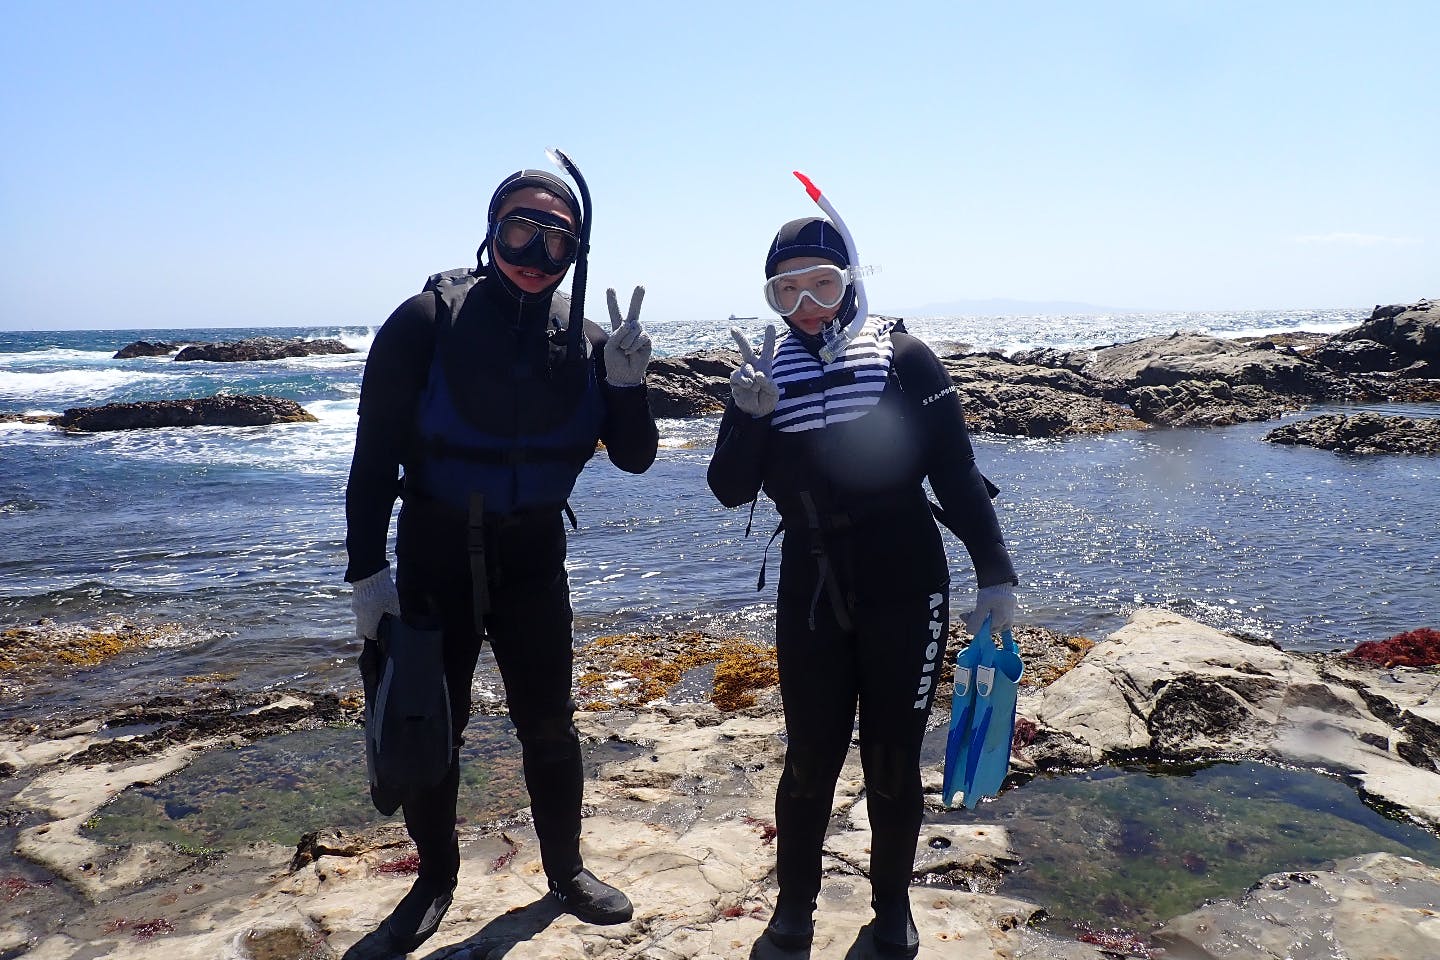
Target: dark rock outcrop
{"x":692,"y":385}
{"x":1181,"y":380}
{"x":1400,"y":338}
{"x":219,"y":411}
{"x":1200,"y":403}
{"x":262,"y":348}
{"x":1181,"y":357}
{"x":1362,"y":433}
{"x":145,"y":348}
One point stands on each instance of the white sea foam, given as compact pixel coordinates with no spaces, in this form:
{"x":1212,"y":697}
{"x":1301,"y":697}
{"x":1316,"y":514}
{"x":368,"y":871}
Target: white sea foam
{"x":68,"y":387}
{"x":53,"y":357}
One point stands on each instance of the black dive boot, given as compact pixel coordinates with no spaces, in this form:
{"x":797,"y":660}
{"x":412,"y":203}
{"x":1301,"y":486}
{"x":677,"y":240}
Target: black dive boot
{"x":413,"y":921}
{"x":792,"y":925}
{"x":592,"y":900}
{"x":894,"y":930}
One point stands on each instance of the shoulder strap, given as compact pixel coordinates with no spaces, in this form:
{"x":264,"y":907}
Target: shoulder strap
{"x":450,"y":288}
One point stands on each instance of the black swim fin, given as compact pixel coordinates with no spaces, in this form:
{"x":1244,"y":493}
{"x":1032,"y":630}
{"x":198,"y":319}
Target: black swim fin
{"x":408,"y":737}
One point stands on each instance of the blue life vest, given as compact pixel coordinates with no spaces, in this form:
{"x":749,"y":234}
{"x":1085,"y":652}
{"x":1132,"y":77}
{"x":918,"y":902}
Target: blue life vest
{"x":516,"y":460}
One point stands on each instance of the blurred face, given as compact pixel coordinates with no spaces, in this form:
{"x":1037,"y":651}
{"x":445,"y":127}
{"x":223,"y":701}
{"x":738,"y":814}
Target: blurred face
{"x":810,"y":317}
{"x":531,"y":203}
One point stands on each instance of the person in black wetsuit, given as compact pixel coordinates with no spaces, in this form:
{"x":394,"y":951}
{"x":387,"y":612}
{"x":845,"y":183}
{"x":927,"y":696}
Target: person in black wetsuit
{"x":862,"y":612}
{"x":477,"y":390}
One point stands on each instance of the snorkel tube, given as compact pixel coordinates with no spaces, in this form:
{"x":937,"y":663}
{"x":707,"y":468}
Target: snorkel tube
{"x":576,"y":331}
{"x":836,"y":340}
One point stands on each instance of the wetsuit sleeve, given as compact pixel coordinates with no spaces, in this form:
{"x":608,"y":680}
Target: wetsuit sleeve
{"x":395,"y":375}
{"x":629,"y":433}
{"x":950,"y":461}
{"x":737,"y":467}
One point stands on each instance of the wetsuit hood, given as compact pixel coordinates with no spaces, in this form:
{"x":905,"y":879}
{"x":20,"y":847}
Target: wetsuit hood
{"x":812,"y":237}
{"x":520,"y":180}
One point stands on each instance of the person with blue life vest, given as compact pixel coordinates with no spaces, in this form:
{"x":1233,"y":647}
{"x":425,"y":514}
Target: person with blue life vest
{"x":482,"y":399}
{"x":840,"y":424}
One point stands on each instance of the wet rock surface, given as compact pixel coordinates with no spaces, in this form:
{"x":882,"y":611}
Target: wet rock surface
{"x":1376,"y":907}
{"x":145,"y":348}
{"x":262,"y":348}
{"x":692,"y":385}
{"x":684,"y":820}
{"x":1362,"y":433}
{"x":1403,"y":338}
{"x":1180,"y":380}
{"x":218,"y":411}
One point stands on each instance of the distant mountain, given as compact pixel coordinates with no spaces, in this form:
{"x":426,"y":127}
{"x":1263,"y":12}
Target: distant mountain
{"x":1001,"y":308}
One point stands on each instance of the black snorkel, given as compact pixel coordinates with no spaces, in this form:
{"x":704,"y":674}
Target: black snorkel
{"x":574,"y":347}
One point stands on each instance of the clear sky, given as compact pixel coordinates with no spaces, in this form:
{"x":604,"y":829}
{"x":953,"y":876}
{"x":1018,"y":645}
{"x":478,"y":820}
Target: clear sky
{"x":295,"y":163}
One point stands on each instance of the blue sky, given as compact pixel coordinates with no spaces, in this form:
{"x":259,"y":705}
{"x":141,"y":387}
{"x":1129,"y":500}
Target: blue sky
{"x":197,"y":164}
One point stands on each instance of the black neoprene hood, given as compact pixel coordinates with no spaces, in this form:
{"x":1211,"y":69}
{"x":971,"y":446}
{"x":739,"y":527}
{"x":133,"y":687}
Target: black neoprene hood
{"x":807,"y":237}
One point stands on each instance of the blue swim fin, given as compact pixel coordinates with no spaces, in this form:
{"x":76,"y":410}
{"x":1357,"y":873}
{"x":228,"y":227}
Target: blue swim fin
{"x":997,"y":684}
{"x":962,"y":714}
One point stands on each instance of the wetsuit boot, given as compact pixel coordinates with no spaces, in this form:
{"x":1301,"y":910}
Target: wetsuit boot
{"x":894,"y":930}
{"x":893,"y":795}
{"x":591,"y":899}
{"x":418,"y":914}
{"x":554,"y":776}
{"x":430,"y":820}
{"x":792,"y":925}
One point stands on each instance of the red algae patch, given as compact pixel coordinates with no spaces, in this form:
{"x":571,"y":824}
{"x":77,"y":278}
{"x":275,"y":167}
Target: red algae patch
{"x":1415,"y":648}
{"x":141,"y":929}
{"x":403,"y":866}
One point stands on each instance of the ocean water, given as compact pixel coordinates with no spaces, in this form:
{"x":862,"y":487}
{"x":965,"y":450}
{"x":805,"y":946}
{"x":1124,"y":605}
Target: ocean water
{"x":235,"y":535}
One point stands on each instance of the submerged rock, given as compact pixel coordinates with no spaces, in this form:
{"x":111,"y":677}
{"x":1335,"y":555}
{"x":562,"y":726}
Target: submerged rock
{"x":1374,"y":907}
{"x":1167,"y":688}
{"x":218,"y":411}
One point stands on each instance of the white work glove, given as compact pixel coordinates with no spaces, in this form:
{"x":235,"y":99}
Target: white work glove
{"x":997,"y":602}
{"x":750,"y":384}
{"x":627,"y":352}
{"x":369,"y":599}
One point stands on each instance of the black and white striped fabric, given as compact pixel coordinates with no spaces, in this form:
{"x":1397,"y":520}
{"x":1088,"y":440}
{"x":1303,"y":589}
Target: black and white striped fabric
{"x":815,"y":394}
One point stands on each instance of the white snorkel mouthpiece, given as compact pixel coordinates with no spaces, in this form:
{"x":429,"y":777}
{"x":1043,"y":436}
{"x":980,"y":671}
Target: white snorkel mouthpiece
{"x":836,"y":339}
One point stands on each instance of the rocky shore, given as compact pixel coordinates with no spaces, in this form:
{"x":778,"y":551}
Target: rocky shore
{"x":1180,"y":380}
{"x":683,"y":820}
{"x":236,"y":351}
{"x":1185,"y":379}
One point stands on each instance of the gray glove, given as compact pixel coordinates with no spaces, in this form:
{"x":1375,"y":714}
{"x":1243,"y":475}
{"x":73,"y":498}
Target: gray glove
{"x":750,"y":384}
{"x":627,"y":352}
{"x":998,"y":602}
{"x":369,"y":599}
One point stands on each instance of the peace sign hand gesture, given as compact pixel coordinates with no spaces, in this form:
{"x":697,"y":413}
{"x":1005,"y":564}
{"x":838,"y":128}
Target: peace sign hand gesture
{"x":750,"y":384}
{"x":627,"y":352}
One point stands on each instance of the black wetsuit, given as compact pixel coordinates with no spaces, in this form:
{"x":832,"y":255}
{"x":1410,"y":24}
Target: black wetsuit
{"x":862,"y":606}
{"x":504,"y":381}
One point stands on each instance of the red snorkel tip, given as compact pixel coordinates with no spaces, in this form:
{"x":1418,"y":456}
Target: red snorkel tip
{"x":810,"y":188}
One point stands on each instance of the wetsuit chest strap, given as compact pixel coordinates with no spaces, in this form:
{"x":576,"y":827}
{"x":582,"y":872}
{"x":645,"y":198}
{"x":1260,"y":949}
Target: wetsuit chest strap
{"x":825,"y":569}
{"x":481,"y":529}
